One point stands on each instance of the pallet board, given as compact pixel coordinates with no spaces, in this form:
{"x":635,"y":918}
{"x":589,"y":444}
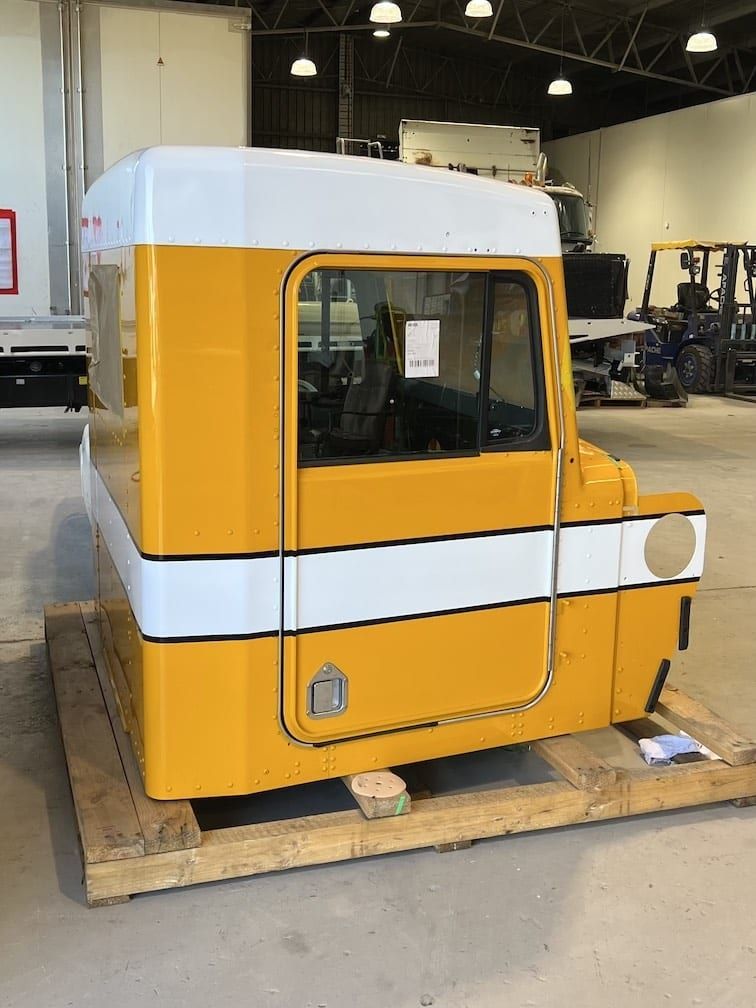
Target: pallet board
{"x":133,"y":844}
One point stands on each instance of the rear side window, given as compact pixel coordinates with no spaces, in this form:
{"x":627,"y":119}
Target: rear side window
{"x":389,"y":363}
{"x":512,"y":402}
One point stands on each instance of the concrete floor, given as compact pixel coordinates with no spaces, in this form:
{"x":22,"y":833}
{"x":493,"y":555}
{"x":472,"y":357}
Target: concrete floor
{"x":652,"y":911}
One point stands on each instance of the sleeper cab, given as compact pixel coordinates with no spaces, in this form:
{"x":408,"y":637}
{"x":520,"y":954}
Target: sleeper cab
{"x":343,"y":517}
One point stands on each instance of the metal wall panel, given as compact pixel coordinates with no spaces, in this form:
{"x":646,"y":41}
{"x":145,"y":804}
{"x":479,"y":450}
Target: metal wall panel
{"x":293,"y":112}
{"x":392,"y":81}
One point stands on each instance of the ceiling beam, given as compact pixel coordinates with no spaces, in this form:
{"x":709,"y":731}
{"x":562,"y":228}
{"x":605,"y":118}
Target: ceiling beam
{"x":638,"y":66}
{"x":647,"y":6}
{"x":592,"y":60}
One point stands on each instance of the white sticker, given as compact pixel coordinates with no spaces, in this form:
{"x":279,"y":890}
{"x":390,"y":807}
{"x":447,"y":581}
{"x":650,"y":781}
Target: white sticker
{"x":421,"y":348}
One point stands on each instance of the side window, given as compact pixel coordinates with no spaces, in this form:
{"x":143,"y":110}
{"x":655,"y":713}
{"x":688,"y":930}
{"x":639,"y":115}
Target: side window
{"x":512,"y":411}
{"x":389,"y":363}
{"x":106,"y":368}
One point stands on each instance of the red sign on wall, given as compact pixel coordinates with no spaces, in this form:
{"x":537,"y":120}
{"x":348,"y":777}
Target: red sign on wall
{"x":8,"y":253}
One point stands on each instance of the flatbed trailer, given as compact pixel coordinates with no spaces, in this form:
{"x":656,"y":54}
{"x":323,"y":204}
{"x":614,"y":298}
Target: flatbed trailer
{"x":43,"y":362}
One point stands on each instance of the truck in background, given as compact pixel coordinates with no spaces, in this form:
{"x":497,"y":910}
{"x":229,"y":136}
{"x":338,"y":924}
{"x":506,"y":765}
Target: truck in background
{"x":506,"y":153}
{"x":43,"y":362}
{"x":606,"y":355}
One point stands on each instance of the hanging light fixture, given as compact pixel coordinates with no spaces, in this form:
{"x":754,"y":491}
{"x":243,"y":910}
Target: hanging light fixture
{"x":381,"y":33}
{"x":702,"y":40}
{"x":304,"y":66}
{"x":478,"y":9}
{"x":560,"y":85}
{"x":386,"y":13}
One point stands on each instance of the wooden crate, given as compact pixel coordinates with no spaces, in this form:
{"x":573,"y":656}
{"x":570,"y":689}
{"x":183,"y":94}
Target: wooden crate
{"x":133,"y":844}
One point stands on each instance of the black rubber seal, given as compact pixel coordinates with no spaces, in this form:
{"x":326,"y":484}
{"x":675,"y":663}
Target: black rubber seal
{"x":661,"y":678}
{"x":683,"y":637}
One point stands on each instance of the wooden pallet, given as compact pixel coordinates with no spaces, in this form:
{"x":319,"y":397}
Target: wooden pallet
{"x":134,"y":844}
{"x":592,"y":400}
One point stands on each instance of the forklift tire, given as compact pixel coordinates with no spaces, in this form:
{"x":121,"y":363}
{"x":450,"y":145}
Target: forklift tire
{"x":695,"y":368}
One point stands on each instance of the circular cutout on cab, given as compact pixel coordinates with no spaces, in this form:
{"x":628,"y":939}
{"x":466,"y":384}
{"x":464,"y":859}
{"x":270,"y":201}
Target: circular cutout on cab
{"x":670,"y":546}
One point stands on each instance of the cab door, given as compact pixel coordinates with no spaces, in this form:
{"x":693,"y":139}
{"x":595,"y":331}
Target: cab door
{"x":419,"y":460}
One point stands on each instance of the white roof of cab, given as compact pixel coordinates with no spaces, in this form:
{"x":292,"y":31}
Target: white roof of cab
{"x":257,"y":198}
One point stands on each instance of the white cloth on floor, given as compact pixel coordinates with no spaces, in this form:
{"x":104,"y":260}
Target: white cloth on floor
{"x":660,"y":750}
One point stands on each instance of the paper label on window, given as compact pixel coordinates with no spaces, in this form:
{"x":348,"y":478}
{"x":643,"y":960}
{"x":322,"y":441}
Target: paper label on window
{"x":421,"y":337}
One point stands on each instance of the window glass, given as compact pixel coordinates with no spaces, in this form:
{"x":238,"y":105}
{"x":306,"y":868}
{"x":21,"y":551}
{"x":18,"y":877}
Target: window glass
{"x":106,"y":367}
{"x":511,"y":409}
{"x":573,"y":221}
{"x":389,"y":363}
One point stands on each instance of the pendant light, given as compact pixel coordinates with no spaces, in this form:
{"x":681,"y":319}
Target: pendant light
{"x":386,"y":13}
{"x":304,"y":66}
{"x":702,"y":40}
{"x":381,"y":33}
{"x":560,"y":85}
{"x":478,"y":9}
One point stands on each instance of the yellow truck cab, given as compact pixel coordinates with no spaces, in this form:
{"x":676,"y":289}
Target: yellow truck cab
{"x":343,"y":517}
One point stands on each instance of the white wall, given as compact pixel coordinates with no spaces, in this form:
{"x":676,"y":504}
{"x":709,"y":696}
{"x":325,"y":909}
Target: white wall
{"x":22,"y":161}
{"x":684,"y":174}
{"x":196,"y":94}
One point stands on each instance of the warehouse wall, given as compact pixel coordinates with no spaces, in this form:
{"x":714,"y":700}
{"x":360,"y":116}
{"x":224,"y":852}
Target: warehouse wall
{"x":22,"y":164}
{"x":149,"y":76}
{"x":683,"y":174}
{"x":153,"y":77}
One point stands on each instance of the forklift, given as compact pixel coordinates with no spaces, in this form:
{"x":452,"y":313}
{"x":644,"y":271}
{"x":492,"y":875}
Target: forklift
{"x":708,"y":335}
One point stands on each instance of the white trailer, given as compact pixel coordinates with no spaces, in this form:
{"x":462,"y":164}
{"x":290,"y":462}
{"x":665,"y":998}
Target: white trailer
{"x":508,"y":153}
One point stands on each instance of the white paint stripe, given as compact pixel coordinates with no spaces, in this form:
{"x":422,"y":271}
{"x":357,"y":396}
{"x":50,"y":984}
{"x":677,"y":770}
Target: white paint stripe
{"x":353,"y":586}
{"x":241,"y":597}
{"x":588,"y":558}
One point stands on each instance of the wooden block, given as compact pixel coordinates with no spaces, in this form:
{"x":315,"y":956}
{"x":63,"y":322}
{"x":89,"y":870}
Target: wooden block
{"x":575,"y":761}
{"x":108,"y":824}
{"x":379,"y":793}
{"x":109,"y":901}
{"x":166,"y":825}
{"x":446,"y":848}
{"x":338,"y":836}
{"x":706,"y":727}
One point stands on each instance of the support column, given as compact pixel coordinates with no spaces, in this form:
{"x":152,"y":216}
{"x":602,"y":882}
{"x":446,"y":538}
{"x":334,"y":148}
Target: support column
{"x":346,"y":86}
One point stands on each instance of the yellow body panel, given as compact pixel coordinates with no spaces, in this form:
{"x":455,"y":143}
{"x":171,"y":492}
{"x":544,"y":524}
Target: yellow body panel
{"x":472,"y":670}
{"x":193,"y":465}
{"x":210,"y":737}
{"x":207,"y":363}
